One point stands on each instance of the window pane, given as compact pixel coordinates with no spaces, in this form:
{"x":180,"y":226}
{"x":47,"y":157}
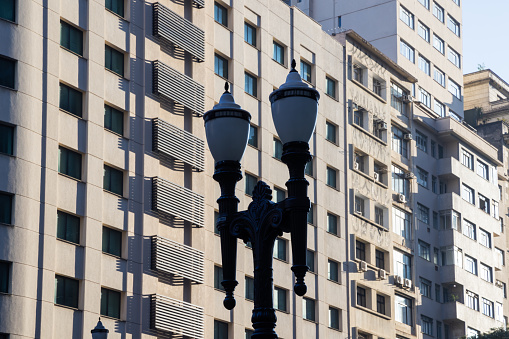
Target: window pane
{"x":253,"y":136}
{"x":332,"y":223}
{"x":331,"y":177}
{"x":249,"y":34}
{"x":278,"y":53}
{"x":221,"y":66}
{"x":7,"y":71}
{"x":249,"y":290}
{"x":112,"y":241}
{"x":308,"y":308}
{"x":71,"y":100}
{"x":116,"y":6}
{"x":334,"y":318}
{"x":114,"y":60}
{"x":333,"y":270}
{"x":113,"y":180}
{"x":310,"y":260}
{"x":110,"y":303}
{"x":66,"y":291}
{"x":69,"y":163}
{"x":305,"y":71}
{"x":218,"y":278}
{"x":220,"y":330}
{"x":220,"y":14}
{"x":279,"y":299}
{"x":68,"y":227}
{"x":6,"y":139}
{"x":113,"y":120}
{"x":71,"y":38}
{"x":4,"y":276}
{"x":5,"y":208}
{"x":331,"y":87}
{"x":8,"y":10}
{"x":250,"y":85}
{"x":251,"y":182}
{"x":278,"y":149}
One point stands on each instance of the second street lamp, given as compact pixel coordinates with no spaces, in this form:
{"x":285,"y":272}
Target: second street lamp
{"x":294,"y":110}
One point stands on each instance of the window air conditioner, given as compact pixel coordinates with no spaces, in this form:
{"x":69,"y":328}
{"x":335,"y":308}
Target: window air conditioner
{"x":409,"y":175}
{"x":407,"y":136}
{"x":406,"y":98}
{"x":407,"y":283}
{"x":401,"y":198}
{"x":363,"y":266}
{"x":356,"y":166}
{"x":376,"y":176}
{"x":382,"y":274}
{"x":398,"y":280}
{"x":382,"y":125}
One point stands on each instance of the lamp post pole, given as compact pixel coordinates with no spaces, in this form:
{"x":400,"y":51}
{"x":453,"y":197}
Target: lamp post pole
{"x":294,"y":109}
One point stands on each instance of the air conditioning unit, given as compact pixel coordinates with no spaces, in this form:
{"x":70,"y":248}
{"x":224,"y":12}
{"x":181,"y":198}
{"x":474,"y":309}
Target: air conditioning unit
{"x":409,"y":175}
{"x":363,"y":266}
{"x":382,"y":125}
{"x":401,"y":198}
{"x":407,"y":283}
{"x":407,"y":136}
{"x":359,"y":213}
{"x":356,"y":166}
{"x":382,"y":274}
{"x":499,"y":284}
{"x":398,"y":280}
{"x":406,"y":98}
{"x":376,"y":176}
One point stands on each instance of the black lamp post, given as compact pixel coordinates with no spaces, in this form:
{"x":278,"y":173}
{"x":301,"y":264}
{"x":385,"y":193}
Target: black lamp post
{"x":294,"y":111}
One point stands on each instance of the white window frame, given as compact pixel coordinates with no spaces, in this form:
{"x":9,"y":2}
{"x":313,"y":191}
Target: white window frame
{"x":439,"y":108}
{"x":438,"y":12}
{"x":424,"y":65}
{"x":424,"y":97}
{"x":407,"y":17}
{"x":423,"y":31}
{"x":454,"y":57}
{"x":453,"y":25}
{"x":407,"y":51}
{"x":454,"y":89}
{"x":439,"y":76}
{"x":438,"y":43}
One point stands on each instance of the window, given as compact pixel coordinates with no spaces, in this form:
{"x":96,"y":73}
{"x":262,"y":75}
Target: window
{"x":68,"y":227}
{"x":279,"y":195}
{"x":331,"y":177}
{"x":66,"y":291}
{"x":116,"y":6}
{"x":452,"y":255}
{"x":330,"y":87}
{"x":467,"y":159}
{"x":278,"y":148}
{"x":379,"y":216}
{"x":333,"y":318}
{"x":358,"y":117}
{"x":436,"y":256}
{"x":423,"y":31}
{"x":402,"y":264}
{"x":486,"y":273}
{"x":450,"y":219}
{"x":439,"y":77}
{"x":249,"y":290}
{"x":218,"y":278}
{"x":5,"y":268}
{"x":439,"y":330}
{"x":482,"y":170}
{"x":279,"y":53}
{"x":309,"y":168}
{"x":472,"y":300}
{"x":484,"y":203}
{"x":494,"y":209}
{"x":423,"y":213}
{"x":333,"y":270}
{"x":113,"y":180}
{"x":305,"y":71}
{"x":358,"y":73}
{"x":250,"y":34}
{"x":280,"y":249}
{"x":253,"y":136}
{"x":403,"y":309}
{"x":424,"y":250}
{"x":71,"y":38}
{"x":69,"y":163}
{"x":438,"y":12}
{"x":438,"y":43}
{"x":330,"y":132}
{"x":424,"y":97}
{"x":359,"y":206}
{"x":220,"y":330}
{"x":380,"y":259}
{"x":439,"y":108}
{"x":377,"y":87}
{"x":406,"y":17}
{"x":110,"y":303}
{"x":112,"y":241}
{"x":221,"y":66}
{"x":280,"y":299}
{"x":310,"y":260}
{"x":397,"y":101}
{"x":399,"y":143}
{"x":311,"y":217}
{"x":500,"y":256}
{"x":407,"y":51}
{"x":114,"y":60}
{"x":487,"y":307}
{"x":399,"y":183}
{"x":435,"y":218}
{"x":457,"y":2}
{"x":250,"y":84}
{"x":455,"y":89}
{"x":470,"y":264}
{"x":454,"y":57}
{"x":472,"y":333}
{"x":422,"y":177}
{"x":249,"y":333}
{"x":469,"y":229}
{"x":424,"y":65}
{"x":453,"y":25}
{"x":220,"y":14}
{"x":425,"y":287}
{"x":426,"y":325}
{"x":308,"y":309}
{"x":437,"y":293}
{"x":6,"y":139}
{"x":380,"y":304}
{"x":422,"y":141}
{"x":361,"y":296}
{"x":5,"y":208}
{"x":113,"y":120}
{"x":70,"y":100}
{"x":440,"y":152}
{"x":425,"y":3}
{"x":7,"y":75}
{"x":332,"y":223}
{"x":359,"y":162}
{"x":8,"y":10}
{"x":360,"y":250}
{"x":251,"y":182}
{"x":467,"y":193}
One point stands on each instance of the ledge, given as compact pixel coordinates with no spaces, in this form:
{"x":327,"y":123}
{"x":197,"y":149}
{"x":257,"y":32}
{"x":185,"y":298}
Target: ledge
{"x":379,"y":98}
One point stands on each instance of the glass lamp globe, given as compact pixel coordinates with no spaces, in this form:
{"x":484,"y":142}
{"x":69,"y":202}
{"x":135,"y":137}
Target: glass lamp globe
{"x":99,"y":332}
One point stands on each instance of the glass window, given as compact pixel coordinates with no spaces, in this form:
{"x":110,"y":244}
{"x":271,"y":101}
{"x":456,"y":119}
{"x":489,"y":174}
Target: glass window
{"x":253,"y":136}
{"x":483,"y":170}
{"x":310,"y":260}
{"x":402,"y":264}
{"x":113,"y":180}
{"x":439,"y":77}
{"x":5,"y":208}
{"x":379,"y":216}
{"x":359,"y":206}
{"x":467,"y":159}
{"x":110,"y":303}
{"x":333,"y":270}
{"x":249,"y":333}
{"x":360,"y":250}
{"x":407,"y":51}
{"x":399,"y":143}
{"x":309,"y":168}
{"x":397,"y":101}
{"x":421,"y":141}
{"x":361,"y":296}
{"x":455,"y":89}
{"x":333,"y":318}
{"x":425,"y":3}
{"x":7,"y":72}
{"x":279,"y":195}
{"x":6,"y":139}
{"x":308,"y":309}
{"x":250,"y":34}
{"x":423,"y":213}
{"x":450,"y":219}
{"x":484,"y":203}
{"x":399,"y":183}
{"x":332,"y":223}
{"x":66,"y":291}
{"x":113,"y":120}
{"x":331,"y":177}
{"x":250,"y":84}
{"x":114,"y":60}
{"x":220,"y":14}
{"x":220,"y":330}
{"x":70,"y":100}
{"x":279,"y":53}
{"x":8,"y":10}
{"x":377,"y":87}
{"x":500,"y":256}
{"x":425,"y":287}
{"x":426,"y":325}
{"x":218,"y":278}
{"x":422,"y":177}
{"x":487,"y":308}
{"x":472,"y":333}
{"x":278,"y":148}
{"x":439,"y":108}
{"x":71,"y":38}
{"x":221,"y":66}
{"x":249,"y":290}
{"x":452,"y":255}
{"x":116,"y":6}
{"x":454,"y":57}
{"x":470,"y":264}
{"x":423,"y":31}
{"x":280,"y":249}
{"x":5,"y":269}
{"x":472,"y":300}
{"x":311,"y":217}
{"x":453,"y":25}
{"x":330,"y":87}
{"x":358,"y":73}
{"x":403,"y":309}
{"x":424,"y":65}
{"x":406,"y":17}
{"x":280,"y":299}
{"x":380,"y":304}
{"x":424,"y":250}
{"x":424,"y":97}
{"x":438,"y":43}
{"x":68,"y":227}
{"x":330,"y":132}
{"x":467,"y":193}
{"x":484,"y":238}
{"x":251,"y":182}
{"x":112,"y":241}
{"x":305,"y":71}
{"x":437,"y":293}
{"x":438,"y":12}
{"x":358,"y":117}
{"x":469,"y":229}
{"x":69,"y":163}
{"x":380,"y":259}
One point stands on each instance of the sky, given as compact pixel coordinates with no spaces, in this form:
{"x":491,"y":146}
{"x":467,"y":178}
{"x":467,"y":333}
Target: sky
{"x":486,"y":36}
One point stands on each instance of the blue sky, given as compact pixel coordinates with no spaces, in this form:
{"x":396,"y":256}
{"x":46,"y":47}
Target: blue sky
{"x":486,"y":36}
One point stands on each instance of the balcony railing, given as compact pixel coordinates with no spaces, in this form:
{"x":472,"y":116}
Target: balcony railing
{"x":179,"y":31}
{"x":178,"y":87}
{"x":176,"y":316}
{"x":177,"y":201}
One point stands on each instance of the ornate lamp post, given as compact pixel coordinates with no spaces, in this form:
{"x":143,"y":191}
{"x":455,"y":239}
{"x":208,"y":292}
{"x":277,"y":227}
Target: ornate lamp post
{"x":294,"y":111}
{"x":99,"y":332}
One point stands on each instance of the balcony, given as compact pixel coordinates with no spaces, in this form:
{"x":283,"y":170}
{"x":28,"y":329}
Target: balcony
{"x":169,"y":256}
{"x":177,"y":143}
{"x":176,"y":316}
{"x":178,"y":87}
{"x":449,"y":168}
{"x":179,"y":31}
{"x":177,"y":201}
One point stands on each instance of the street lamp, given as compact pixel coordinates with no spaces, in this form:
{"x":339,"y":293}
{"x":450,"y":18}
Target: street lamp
{"x":294,"y":110}
{"x":99,"y":332}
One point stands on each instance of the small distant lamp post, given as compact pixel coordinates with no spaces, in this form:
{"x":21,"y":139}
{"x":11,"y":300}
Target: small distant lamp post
{"x":294,"y":110}
{"x":99,"y":332}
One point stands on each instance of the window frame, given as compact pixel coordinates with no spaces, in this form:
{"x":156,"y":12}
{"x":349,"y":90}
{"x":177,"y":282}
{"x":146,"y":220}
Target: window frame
{"x":70,"y":156}
{"x":109,"y":60}
{"x":108,"y":241}
{"x":113,"y":10}
{"x":220,"y":9}
{"x":250,"y":32}
{"x":61,"y":215}
{"x":407,"y":17}
{"x":438,"y":43}
{"x":7,"y":138}
{"x":70,"y":45}
{"x":438,"y":12}
{"x":251,"y":84}
{"x":14,"y":13}
{"x":306,"y":71}
{"x":115,"y":172}
{"x":278,"y":51}
{"x":72,"y":93}
{"x":65,"y":302}
{"x":217,"y":59}
{"x":109,"y":291}
{"x":407,"y":51}
{"x":425,"y":30}
{"x":424,"y":65}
